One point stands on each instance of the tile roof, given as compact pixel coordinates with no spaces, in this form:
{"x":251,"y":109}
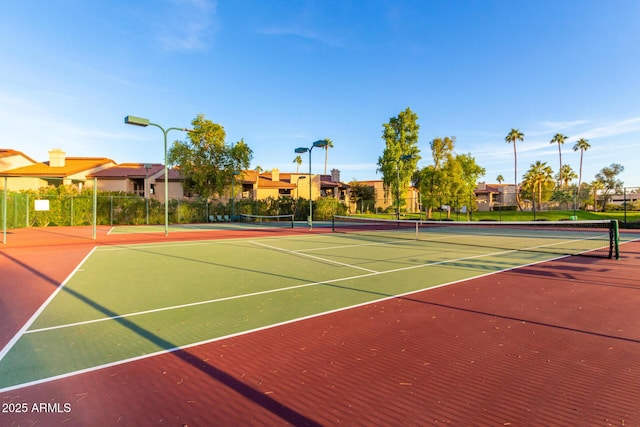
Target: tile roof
{"x":250,"y":176}
{"x":267,"y":183}
{"x":174,"y":175}
{"x":73,"y":165}
{"x":8,"y":152}
{"x":128,"y":170}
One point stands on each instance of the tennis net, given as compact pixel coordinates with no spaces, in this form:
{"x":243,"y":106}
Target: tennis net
{"x":599,"y":238}
{"x":284,"y":221}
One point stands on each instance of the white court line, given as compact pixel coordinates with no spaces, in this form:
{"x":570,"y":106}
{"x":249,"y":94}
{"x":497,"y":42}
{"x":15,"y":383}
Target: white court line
{"x":394,"y":242}
{"x":262,"y":328}
{"x":287,"y":251}
{"x":35,"y":315}
{"x":287,"y":288}
{"x":11,"y":343}
{"x":234,"y":240}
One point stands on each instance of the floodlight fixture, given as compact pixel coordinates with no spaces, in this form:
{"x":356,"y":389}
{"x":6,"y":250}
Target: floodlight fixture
{"x":136,"y":121}
{"x":321,"y":143}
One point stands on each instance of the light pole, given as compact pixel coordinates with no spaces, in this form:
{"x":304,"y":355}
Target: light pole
{"x":147,"y":166}
{"x":138,"y":121}
{"x":402,"y":158}
{"x":320,"y":143}
{"x":297,"y":194}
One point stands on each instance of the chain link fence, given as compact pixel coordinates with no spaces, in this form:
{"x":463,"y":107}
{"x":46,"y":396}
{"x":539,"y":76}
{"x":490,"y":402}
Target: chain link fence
{"x":532,"y":205}
{"x":74,"y":210}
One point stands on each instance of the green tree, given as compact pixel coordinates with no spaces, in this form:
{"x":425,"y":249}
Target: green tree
{"x":437,"y":182}
{"x":471,"y":173}
{"x":326,"y":153}
{"x":582,"y":145}
{"x":537,"y":180}
{"x":609,"y":182}
{"x":565,"y":176}
{"x":401,"y":138}
{"x":431,"y":183}
{"x":205,"y":160}
{"x":362,"y":195}
{"x":451,"y":180}
{"x":559,"y":139}
{"x":514,"y":136}
{"x":594,"y":188}
{"x":500,"y":179}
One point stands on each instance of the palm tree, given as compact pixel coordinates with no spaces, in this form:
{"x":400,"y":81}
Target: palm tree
{"x":566,"y":175}
{"x":514,"y":136}
{"x":582,"y":145}
{"x":559,"y":139}
{"x":326,"y":152}
{"x":500,"y":179}
{"x":298,"y":162}
{"x":537,"y":177}
{"x":596,"y":186}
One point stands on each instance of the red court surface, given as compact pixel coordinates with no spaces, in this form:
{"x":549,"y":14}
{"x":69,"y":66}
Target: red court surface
{"x":552,"y":344}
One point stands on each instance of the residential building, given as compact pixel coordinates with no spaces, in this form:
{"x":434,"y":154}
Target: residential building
{"x":493,"y":196}
{"x":136,"y":178}
{"x":59,"y":170}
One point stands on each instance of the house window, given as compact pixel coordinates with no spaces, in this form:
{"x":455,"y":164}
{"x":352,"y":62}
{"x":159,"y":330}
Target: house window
{"x":138,"y":187}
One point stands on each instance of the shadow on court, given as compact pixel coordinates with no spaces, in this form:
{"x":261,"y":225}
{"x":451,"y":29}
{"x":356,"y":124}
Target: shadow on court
{"x":282,"y":411}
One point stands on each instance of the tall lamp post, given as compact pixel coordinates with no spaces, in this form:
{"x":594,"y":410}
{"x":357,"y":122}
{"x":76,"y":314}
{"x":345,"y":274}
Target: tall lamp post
{"x":320,"y":143}
{"x":402,"y":158}
{"x":147,"y":166}
{"x":138,"y":121}
{"x":298,"y":194}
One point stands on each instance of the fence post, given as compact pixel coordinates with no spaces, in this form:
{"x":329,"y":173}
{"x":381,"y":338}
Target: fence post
{"x":624,"y":203}
{"x":95,"y":206}
{"x":15,"y":211}
{"x":4,"y":211}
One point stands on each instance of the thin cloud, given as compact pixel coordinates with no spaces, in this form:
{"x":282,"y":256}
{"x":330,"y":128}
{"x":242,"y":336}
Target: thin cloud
{"x":613,"y":129}
{"x":561,"y":126}
{"x":188,"y":25}
{"x":305,"y":34}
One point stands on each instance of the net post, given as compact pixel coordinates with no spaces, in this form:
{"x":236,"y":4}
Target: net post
{"x":615,"y":239}
{"x":292,"y":222}
{"x":417,"y":230}
{"x":333,"y":224}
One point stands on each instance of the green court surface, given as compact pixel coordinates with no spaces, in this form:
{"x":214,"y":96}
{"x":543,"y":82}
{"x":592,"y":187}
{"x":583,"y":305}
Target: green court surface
{"x":133,"y":301}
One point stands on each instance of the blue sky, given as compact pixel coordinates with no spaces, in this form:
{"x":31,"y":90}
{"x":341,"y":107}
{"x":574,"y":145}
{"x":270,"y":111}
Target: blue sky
{"x":282,"y":74}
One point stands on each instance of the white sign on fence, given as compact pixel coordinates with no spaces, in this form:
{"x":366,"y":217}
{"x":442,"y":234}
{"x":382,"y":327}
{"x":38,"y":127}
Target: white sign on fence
{"x":42,"y":205}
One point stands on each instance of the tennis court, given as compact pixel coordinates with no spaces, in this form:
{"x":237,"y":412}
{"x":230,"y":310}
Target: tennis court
{"x":128,"y":303}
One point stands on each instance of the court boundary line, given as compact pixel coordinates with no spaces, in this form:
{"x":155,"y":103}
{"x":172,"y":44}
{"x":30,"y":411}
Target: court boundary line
{"x":24,"y":330}
{"x":12,"y":342}
{"x":262,"y":328}
{"x":288,"y":288}
{"x":18,"y":335}
{"x":296,"y":253}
